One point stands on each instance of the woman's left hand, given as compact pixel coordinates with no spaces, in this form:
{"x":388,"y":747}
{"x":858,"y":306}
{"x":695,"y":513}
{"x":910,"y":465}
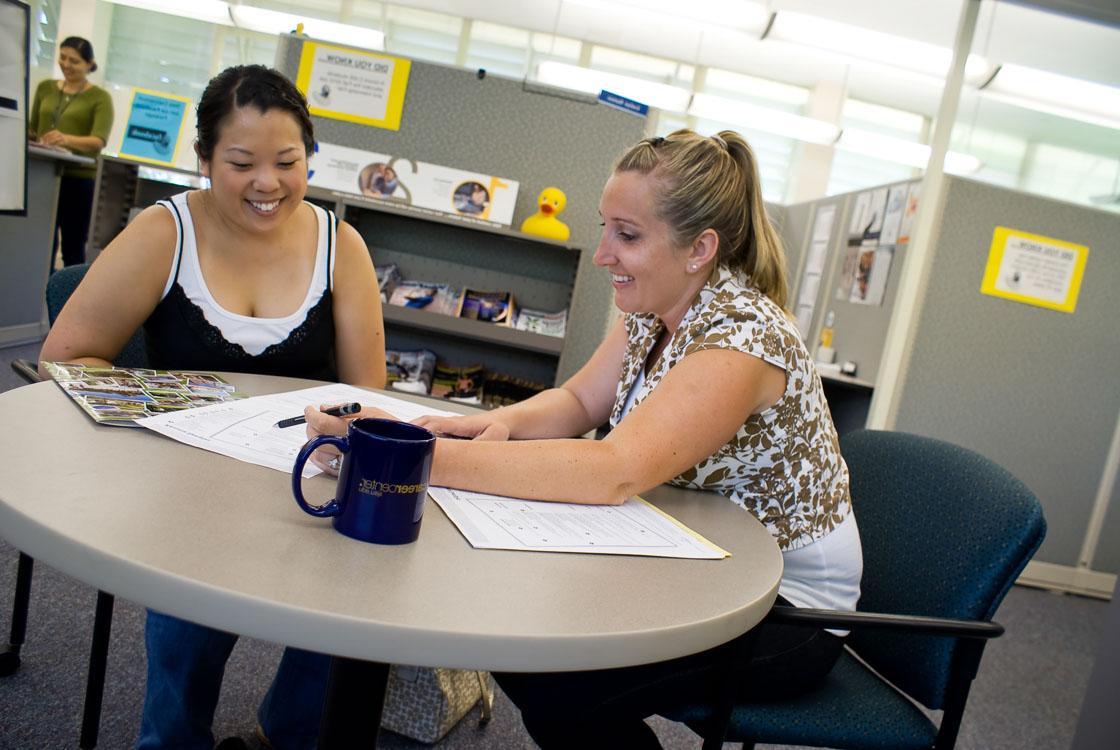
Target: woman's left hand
{"x":53,"y":138}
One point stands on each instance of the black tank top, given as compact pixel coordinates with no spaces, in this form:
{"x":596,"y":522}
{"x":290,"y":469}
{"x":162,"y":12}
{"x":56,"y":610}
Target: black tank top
{"x":180,"y":337}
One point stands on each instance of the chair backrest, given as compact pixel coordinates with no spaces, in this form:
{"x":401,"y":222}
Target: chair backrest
{"x":945,"y":532}
{"x":62,"y":284}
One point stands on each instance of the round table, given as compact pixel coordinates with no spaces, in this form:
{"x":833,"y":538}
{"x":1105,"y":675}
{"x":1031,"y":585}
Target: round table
{"x":221,"y":542}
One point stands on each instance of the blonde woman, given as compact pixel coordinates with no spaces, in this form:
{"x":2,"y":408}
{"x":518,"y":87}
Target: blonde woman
{"x":706,"y":384}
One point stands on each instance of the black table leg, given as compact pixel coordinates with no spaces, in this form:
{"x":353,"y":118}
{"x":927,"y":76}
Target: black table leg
{"x":736,"y":652}
{"x":352,"y":707}
{"x":95,"y":679}
{"x":9,"y":657}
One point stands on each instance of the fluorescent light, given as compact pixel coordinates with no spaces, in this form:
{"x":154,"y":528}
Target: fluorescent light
{"x":1055,"y":94}
{"x":660,"y":95}
{"x":734,"y":14}
{"x":210,"y":11}
{"x":902,"y":151}
{"x":875,"y":46}
{"x":261,"y":20}
{"x":747,"y":115}
{"x":275,"y":22}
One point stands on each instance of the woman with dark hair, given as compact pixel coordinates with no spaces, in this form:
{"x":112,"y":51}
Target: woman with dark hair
{"x":244,"y":276}
{"x":706,"y":384}
{"x":74,"y":115}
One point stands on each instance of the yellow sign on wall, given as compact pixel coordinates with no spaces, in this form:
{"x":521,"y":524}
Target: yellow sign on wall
{"x":353,"y":85}
{"x":1034,"y":270}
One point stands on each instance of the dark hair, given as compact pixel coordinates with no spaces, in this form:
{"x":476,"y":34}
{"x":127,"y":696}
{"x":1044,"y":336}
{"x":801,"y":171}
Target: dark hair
{"x":713,"y":182}
{"x":240,"y":86}
{"x":82,"y":47}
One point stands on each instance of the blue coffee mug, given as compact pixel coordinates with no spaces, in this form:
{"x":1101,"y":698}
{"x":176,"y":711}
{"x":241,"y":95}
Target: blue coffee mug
{"x":383,"y":484}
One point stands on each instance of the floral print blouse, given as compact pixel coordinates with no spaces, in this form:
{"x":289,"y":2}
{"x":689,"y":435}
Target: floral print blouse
{"x":784,"y":464}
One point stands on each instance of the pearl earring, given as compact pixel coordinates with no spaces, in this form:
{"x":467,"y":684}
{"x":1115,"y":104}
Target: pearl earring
{"x":692,"y":267}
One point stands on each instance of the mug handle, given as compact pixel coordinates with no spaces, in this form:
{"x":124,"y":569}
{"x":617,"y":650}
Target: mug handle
{"x":332,"y":508}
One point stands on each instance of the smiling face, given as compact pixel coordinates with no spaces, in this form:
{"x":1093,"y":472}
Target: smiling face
{"x":648,"y":272}
{"x":258,"y":173}
{"x":74,"y":68}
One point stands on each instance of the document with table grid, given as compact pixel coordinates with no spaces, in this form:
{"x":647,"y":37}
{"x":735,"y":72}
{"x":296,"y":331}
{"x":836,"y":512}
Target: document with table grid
{"x":633,"y":528}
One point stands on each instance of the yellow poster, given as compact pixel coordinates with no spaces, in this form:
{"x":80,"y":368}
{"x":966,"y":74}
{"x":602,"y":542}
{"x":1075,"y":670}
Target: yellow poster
{"x":353,"y":85}
{"x":1034,"y":270}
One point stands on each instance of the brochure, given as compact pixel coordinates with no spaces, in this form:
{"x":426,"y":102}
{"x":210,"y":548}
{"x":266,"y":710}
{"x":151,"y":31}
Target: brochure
{"x":410,"y":371}
{"x":490,"y":307}
{"x":538,"y":321}
{"x":118,"y":396}
{"x":388,"y":276}
{"x":456,"y":383}
{"x":421,"y":295}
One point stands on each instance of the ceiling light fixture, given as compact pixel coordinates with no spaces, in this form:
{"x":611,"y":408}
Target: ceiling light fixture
{"x":660,"y":95}
{"x":262,"y":20}
{"x":746,"y":115}
{"x":902,"y":151}
{"x":874,"y":46}
{"x":1059,"y":95}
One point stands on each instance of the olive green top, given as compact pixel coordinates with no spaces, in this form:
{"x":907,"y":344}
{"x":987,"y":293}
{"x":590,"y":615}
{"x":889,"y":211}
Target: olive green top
{"x":87,"y":113}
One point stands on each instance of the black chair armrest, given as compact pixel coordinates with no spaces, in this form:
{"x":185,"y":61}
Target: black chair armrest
{"x":828,"y":618}
{"x":26,"y":370}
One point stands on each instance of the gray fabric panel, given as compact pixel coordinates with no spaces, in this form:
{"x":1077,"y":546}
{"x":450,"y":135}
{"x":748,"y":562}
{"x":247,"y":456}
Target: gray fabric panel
{"x":497,"y":126}
{"x":1033,"y":389}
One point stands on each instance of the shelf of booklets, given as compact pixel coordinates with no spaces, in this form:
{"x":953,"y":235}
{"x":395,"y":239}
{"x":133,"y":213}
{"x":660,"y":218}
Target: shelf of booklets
{"x":473,"y":329}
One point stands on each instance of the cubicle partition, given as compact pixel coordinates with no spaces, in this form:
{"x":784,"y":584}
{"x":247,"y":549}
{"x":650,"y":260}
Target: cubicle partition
{"x":1030,"y":387}
{"x":1033,"y":388}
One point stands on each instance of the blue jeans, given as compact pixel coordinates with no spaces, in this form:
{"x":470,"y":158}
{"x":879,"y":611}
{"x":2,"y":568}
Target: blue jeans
{"x":186,"y":662}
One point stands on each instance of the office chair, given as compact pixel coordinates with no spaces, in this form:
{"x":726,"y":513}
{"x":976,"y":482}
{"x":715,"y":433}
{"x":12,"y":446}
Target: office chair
{"x":945,"y":533}
{"x":60,"y":286}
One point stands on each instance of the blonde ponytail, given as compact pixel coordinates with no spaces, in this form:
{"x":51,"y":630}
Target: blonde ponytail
{"x":713,"y":183}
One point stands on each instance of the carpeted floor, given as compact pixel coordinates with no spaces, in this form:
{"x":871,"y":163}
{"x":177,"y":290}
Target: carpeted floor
{"x":1027,"y":694}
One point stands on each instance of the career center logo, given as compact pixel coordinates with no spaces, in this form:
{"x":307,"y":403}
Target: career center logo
{"x":378,"y":488}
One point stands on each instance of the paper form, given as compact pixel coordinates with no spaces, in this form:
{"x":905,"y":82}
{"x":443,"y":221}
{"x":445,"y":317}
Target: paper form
{"x":633,"y":528}
{"x":246,"y":429}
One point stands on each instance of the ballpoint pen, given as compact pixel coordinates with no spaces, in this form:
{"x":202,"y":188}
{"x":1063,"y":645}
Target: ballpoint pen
{"x":334,"y":411}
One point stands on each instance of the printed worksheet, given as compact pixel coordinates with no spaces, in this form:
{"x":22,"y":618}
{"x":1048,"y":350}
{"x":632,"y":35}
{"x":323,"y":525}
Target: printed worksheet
{"x":246,"y":429}
{"x":633,"y":528}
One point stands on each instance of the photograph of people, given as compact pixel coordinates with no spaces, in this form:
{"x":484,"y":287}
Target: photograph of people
{"x":706,"y":384}
{"x":76,"y":116}
{"x":243,"y":276}
{"x":378,"y":180}
{"x":471,"y":198}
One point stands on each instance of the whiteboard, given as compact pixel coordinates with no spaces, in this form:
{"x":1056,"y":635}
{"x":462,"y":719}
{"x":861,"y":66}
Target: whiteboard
{"x":14,"y":26}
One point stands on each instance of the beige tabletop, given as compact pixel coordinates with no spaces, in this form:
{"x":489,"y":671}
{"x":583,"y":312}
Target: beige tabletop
{"x":222,"y":542}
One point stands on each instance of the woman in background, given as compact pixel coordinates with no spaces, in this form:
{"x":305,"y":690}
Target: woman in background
{"x":75,"y":115}
{"x":244,"y":276}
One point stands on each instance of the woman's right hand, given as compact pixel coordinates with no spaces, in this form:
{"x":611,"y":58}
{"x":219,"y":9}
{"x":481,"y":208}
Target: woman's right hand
{"x":474,"y":427}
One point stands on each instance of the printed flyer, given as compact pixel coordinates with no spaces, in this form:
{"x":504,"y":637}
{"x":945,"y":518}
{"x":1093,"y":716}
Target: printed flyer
{"x":155,"y":127}
{"x":468,"y":195}
{"x":353,"y":85}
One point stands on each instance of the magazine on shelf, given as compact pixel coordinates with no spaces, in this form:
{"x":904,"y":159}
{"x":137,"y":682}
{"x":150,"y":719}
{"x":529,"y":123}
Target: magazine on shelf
{"x":489,"y":307}
{"x":388,"y":276}
{"x":538,"y":321}
{"x":118,"y":396}
{"x":422,"y":295}
{"x":410,"y":371}
{"x":501,"y":390}
{"x":458,"y":383}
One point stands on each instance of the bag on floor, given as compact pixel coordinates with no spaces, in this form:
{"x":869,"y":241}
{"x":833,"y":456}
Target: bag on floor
{"x":424,"y":703}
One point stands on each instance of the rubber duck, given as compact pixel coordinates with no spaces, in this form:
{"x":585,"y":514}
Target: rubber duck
{"x":544,"y":223}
